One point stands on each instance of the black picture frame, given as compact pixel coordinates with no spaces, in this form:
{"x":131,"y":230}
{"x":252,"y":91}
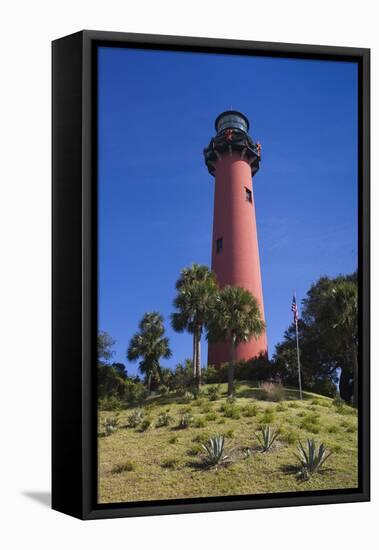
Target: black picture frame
{"x":74,"y":294}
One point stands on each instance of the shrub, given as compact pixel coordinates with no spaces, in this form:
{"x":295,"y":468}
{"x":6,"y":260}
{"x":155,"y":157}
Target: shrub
{"x":221,"y":421}
{"x":110,"y":403}
{"x":173,"y":440}
{"x":236,"y":387}
{"x":311,"y":423}
{"x":185,"y":421}
{"x":187,"y":397}
{"x":124,"y":467}
{"x":293,"y":405}
{"x":110,"y":425}
{"x":333,"y":429}
{"x":199,"y":423}
{"x":211,"y":417}
{"x":324,"y":403}
{"x":135,"y":393}
{"x":267,"y":418}
{"x":163,"y":389}
{"x":164,"y":419}
{"x":250,"y":410}
{"x":290,"y":437}
{"x":339,"y":403}
{"x":212,"y":375}
{"x":145,"y":425}
{"x":229,"y":433}
{"x":214,"y":449}
{"x":311,"y":457}
{"x":135,"y":418}
{"x":231,"y":399}
{"x":231,"y":411}
{"x":266,"y":437}
{"x":342,"y":407}
{"x":170,"y":463}
{"x":270,"y":391}
{"x":206,"y":408}
{"x":281,"y":407}
{"x":213,"y":393}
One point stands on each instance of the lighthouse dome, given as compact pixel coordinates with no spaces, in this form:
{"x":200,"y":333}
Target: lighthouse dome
{"x":232,"y":119}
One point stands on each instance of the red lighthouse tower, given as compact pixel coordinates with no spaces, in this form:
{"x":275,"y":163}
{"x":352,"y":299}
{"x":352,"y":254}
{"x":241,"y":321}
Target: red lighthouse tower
{"x":233,"y":158}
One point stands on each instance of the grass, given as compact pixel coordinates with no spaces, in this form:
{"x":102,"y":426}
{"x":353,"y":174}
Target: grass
{"x":165,"y":463}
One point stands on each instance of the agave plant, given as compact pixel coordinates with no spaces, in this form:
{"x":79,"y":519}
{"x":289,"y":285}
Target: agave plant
{"x":214,"y":448}
{"x":185,"y":421}
{"x":110,"y":425}
{"x":164,"y":419}
{"x":312,"y":457}
{"x":135,"y":418}
{"x":266,"y":437}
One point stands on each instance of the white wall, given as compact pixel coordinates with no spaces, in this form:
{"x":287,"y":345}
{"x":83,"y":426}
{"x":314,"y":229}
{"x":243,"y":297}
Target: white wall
{"x":26,"y":31}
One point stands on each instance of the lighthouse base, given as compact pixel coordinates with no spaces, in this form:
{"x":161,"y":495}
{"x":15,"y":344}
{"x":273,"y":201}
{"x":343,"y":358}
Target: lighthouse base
{"x":220,"y":353}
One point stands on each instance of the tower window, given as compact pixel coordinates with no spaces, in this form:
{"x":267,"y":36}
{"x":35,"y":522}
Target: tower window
{"x":248,"y":195}
{"x":219,"y":245}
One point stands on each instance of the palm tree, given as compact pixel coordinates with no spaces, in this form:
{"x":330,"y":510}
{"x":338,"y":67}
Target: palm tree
{"x":196,"y":292}
{"x":149,"y":345}
{"x":235,"y":319}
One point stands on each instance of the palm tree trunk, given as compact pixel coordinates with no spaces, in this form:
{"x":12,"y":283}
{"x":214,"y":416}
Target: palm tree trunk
{"x":231,"y":368}
{"x":194,"y":353}
{"x":198,"y":364}
{"x":149,"y":382}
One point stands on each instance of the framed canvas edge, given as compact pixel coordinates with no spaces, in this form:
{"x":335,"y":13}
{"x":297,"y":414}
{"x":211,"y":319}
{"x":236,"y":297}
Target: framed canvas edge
{"x":88,"y":508}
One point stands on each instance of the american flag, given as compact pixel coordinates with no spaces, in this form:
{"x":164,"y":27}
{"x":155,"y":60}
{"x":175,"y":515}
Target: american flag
{"x":294,"y":309}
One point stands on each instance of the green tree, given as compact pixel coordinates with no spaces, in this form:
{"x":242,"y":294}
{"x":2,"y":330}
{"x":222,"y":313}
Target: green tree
{"x":328,"y":335}
{"x":343,"y":303}
{"x":235,"y":319}
{"x":104,"y":347}
{"x":150,"y":346}
{"x":196,"y":293}
{"x":110,"y":377}
{"x":120,"y":369}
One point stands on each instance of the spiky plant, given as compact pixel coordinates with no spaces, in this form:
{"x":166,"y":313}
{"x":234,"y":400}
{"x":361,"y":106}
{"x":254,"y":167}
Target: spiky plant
{"x":185,"y":421}
{"x":214,"y":449}
{"x":266,"y":437}
{"x":135,"y":418}
{"x":110,"y":424}
{"x":164,"y":419}
{"x":145,"y":425}
{"x":311,"y":457}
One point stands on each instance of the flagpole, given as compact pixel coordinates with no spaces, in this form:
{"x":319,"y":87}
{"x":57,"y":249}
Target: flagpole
{"x":298,"y":353}
{"x":298,"y":360}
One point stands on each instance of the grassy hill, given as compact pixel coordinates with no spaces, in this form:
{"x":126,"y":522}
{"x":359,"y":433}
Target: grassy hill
{"x":150,"y":463}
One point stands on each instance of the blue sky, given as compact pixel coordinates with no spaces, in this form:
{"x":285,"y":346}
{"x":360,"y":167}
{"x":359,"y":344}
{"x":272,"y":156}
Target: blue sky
{"x":156,"y":114}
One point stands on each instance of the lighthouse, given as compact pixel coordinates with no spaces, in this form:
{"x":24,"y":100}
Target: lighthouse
{"x":233,"y":159}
